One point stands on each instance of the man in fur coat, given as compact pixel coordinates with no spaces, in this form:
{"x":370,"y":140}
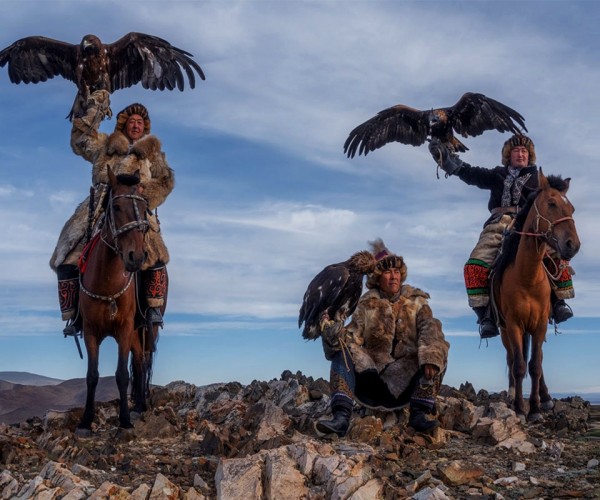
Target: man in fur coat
{"x":391,"y":354}
{"x":509,"y":186}
{"x":129,"y":148}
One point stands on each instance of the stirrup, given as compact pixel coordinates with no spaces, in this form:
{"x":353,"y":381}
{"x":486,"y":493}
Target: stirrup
{"x":487,"y":329}
{"x":72,"y":328}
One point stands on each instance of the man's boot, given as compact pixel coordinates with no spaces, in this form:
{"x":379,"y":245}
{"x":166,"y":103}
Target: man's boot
{"x":68,"y":298}
{"x":417,"y":418}
{"x":155,"y":290}
{"x":339,"y":424}
{"x":487,"y":326}
{"x":560,"y":310}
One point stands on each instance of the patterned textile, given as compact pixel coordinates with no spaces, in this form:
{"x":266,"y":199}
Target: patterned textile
{"x":155,"y":285}
{"x":477,"y":275}
{"x":426,"y":391}
{"x":513,"y":187}
{"x":563,"y":284}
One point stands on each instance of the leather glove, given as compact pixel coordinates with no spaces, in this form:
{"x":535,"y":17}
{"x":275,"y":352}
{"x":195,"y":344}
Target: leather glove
{"x":330,"y":335}
{"x":448,"y":162}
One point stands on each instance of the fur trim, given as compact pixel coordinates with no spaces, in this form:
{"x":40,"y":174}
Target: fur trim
{"x":513,"y":142}
{"x":117,"y":144}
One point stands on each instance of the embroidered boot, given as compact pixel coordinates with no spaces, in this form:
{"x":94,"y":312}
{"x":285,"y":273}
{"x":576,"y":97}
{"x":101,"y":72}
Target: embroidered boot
{"x":155,"y":289}
{"x":487,"y":327}
{"x":339,"y":424}
{"x":68,"y":298}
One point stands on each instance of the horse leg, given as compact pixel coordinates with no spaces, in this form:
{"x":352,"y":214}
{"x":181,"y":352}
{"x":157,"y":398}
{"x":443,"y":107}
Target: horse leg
{"x":91,"y":379}
{"x":138,"y":379}
{"x":546,"y":401}
{"x":517,"y":370}
{"x":535,"y":372}
{"x":509,"y":364}
{"x":122,"y":377}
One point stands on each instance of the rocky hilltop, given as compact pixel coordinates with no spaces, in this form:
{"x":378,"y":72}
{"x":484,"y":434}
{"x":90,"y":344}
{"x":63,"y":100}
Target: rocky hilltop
{"x":230,"y":441}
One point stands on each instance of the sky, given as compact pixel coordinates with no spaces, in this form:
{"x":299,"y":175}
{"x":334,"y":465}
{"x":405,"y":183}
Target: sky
{"x":265,"y":197}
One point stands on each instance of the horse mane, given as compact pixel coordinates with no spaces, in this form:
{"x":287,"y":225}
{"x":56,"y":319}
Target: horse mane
{"x":510,"y":242}
{"x":128,"y":179}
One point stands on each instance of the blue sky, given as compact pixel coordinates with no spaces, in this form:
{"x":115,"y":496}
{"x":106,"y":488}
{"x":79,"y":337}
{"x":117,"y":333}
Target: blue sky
{"x":264,"y":195}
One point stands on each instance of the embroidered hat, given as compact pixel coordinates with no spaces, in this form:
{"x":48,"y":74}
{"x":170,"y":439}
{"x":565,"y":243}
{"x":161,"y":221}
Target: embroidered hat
{"x":513,"y":142}
{"x":385,"y":260}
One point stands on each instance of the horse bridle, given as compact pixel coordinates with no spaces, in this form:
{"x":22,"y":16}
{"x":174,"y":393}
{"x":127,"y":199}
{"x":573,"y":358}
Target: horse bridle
{"x":548,"y":234}
{"x":140,"y":223}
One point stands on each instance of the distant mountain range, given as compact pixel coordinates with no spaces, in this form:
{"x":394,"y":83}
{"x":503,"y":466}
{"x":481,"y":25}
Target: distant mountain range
{"x":25,"y":395}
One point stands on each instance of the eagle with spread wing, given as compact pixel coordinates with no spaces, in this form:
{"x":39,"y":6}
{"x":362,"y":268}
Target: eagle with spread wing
{"x":92,"y":65}
{"x":471,"y":116}
{"x":333,"y":293}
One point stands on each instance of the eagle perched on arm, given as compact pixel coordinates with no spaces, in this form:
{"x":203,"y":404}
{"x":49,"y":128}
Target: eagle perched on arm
{"x":333,"y":293}
{"x":92,"y":65}
{"x":471,"y":116}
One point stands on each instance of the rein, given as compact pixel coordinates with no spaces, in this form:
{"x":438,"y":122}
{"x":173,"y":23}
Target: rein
{"x":140,"y":224}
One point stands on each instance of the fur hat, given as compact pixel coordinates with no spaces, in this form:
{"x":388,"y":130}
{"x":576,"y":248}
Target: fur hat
{"x":513,"y":142}
{"x":385,"y":260}
{"x":133,"y":109}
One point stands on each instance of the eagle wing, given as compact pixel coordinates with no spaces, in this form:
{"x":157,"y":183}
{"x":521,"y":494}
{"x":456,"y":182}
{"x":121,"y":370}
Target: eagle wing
{"x":36,"y":59}
{"x":399,"y":123}
{"x":137,"y":57}
{"x":326,"y":289}
{"x":473,"y":114}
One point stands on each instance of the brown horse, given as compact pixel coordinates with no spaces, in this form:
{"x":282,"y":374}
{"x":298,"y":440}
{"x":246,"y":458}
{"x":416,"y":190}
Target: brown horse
{"x":108,"y":298}
{"x":523,"y":286}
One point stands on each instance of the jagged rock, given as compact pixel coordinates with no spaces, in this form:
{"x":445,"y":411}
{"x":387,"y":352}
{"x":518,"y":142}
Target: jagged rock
{"x":258,"y":441}
{"x":459,"y":472}
{"x":239,"y":478}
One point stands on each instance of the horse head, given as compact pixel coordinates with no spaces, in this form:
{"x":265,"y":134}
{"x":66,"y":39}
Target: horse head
{"x":126,"y":216}
{"x":554,"y":216}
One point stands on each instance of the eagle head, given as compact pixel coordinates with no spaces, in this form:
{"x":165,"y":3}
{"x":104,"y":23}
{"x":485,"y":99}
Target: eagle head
{"x":90,"y":44}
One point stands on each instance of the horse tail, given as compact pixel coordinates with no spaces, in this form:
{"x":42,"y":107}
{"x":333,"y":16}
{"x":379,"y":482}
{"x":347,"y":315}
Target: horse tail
{"x":141,"y":379}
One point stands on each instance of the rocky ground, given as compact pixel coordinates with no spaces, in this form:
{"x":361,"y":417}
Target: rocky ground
{"x":230,"y":441}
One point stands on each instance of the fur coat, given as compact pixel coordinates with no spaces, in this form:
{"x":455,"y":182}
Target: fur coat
{"x":396,"y":337}
{"x":114,"y":151}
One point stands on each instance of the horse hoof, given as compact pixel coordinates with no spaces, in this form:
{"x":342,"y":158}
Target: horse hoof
{"x":82,"y":432}
{"x":535,"y":417}
{"x":547,"y":405}
{"x":125,"y":434}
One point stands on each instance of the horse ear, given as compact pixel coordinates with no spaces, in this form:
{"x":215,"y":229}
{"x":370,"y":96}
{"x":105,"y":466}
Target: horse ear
{"x":542,"y":181}
{"x":567,"y":184}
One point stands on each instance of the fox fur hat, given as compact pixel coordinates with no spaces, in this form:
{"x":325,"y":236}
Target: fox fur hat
{"x":385,"y":260}
{"x":513,"y":142}
{"x":133,"y":109}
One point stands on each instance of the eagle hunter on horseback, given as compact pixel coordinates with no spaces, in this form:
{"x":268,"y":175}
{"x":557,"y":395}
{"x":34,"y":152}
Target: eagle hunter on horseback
{"x":509,"y":186}
{"x":128,"y":149}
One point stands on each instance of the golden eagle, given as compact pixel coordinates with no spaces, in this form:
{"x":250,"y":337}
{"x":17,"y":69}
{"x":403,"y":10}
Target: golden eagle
{"x":471,"y":116}
{"x":333,"y":293}
{"x":92,"y":65}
